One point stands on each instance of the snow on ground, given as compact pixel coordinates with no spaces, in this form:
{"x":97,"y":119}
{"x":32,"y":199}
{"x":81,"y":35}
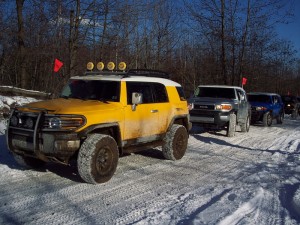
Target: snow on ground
{"x":252,"y":178}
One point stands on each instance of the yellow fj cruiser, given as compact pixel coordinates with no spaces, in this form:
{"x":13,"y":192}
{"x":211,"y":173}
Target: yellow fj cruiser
{"x":98,"y":117}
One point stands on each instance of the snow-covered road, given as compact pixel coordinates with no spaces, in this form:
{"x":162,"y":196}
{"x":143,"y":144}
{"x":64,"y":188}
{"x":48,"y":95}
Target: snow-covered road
{"x":252,"y":178}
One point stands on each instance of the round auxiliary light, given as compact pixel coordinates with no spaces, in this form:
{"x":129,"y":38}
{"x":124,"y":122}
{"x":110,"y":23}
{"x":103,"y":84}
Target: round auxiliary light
{"x":122,"y":66}
{"x":14,"y":121}
{"x":90,"y":66}
{"x":29,"y":123}
{"x":100,"y":65}
{"x":110,"y":66}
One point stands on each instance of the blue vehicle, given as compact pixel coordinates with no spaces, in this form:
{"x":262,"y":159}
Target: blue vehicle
{"x":265,"y":107}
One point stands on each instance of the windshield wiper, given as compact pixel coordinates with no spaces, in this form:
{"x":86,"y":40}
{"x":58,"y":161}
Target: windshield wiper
{"x":102,"y":100}
{"x":64,"y":96}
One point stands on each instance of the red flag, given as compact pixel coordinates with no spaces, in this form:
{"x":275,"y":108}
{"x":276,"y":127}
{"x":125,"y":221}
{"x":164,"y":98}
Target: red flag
{"x":244,"y":81}
{"x":57,"y":65}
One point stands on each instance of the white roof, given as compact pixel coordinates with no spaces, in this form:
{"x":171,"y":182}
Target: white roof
{"x":262,"y":93}
{"x":164,"y":81}
{"x":221,"y":86}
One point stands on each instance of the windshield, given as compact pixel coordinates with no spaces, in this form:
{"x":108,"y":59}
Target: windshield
{"x":289,"y":99}
{"x":259,"y":98}
{"x":93,"y":90}
{"x":215,"y":92}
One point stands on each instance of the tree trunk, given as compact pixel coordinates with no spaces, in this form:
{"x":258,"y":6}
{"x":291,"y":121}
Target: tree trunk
{"x":223,"y":50}
{"x":73,"y":41}
{"x":241,"y":60}
{"x":24,"y":79}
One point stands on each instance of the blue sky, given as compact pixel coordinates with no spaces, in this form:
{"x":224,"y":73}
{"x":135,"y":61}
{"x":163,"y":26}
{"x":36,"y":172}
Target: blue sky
{"x":291,"y":31}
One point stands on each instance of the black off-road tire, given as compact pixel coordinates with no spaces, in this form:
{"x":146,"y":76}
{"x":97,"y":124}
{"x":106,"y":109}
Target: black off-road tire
{"x":175,"y":143}
{"x":28,"y":162}
{"x":246,"y":125}
{"x":267,"y":119}
{"x":230,"y":132}
{"x":279,"y":119}
{"x":98,"y":158}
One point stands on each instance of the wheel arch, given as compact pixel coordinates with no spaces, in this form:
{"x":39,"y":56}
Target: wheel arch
{"x":112,"y":129}
{"x":181,"y":120}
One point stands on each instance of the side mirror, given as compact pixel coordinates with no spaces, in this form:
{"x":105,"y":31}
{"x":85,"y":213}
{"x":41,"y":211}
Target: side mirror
{"x":242,"y":98}
{"x":136,"y":98}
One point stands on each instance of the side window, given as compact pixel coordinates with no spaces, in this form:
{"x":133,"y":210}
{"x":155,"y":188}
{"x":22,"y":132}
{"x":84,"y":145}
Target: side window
{"x":140,"y":87}
{"x":152,"y":92}
{"x":160,"y":93}
{"x":147,"y":94}
{"x":241,"y":95}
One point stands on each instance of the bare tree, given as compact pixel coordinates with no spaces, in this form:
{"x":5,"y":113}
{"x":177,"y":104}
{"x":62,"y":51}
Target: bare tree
{"x":208,"y":41}
{"x":73,"y":39}
{"x":24,"y":79}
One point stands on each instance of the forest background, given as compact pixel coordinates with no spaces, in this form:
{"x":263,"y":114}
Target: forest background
{"x":197,"y":41}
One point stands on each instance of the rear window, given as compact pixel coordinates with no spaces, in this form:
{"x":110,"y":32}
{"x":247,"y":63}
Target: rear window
{"x":289,"y":99}
{"x":181,"y":93}
{"x":215,"y":92}
{"x":259,"y":98}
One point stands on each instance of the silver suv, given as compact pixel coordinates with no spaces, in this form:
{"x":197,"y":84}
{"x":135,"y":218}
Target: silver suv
{"x":218,"y":107}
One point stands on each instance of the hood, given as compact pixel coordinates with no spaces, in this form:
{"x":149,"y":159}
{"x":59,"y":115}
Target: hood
{"x":72,"y":106}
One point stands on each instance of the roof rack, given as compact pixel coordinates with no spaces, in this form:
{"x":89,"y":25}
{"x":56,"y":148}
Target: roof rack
{"x":131,"y":72}
{"x":105,"y":72}
{"x":148,"y":73}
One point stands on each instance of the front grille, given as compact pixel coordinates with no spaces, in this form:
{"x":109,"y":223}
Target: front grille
{"x":203,"y":107}
{"x":200,"y":113}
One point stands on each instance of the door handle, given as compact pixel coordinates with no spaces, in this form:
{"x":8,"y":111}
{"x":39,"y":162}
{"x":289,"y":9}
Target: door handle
{"x":154,"y":110}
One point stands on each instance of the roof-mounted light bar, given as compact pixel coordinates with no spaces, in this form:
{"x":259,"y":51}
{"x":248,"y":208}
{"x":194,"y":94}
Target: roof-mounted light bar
{"x":100,"y":66}
{"x":90,"y":66}
{"x":122,"y":66}
{"x":110,"y":66}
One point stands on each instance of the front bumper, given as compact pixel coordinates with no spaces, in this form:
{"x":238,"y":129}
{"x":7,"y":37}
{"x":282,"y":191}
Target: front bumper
{"x":34,"y":141}
{"x":48,"y":146}
{"x":289,"y":110}
{"x":210,"y":118}
{"x":257,"y":115}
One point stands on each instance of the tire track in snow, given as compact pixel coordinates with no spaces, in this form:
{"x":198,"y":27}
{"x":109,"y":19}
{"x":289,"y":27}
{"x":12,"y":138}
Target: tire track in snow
{"x":149,"y":190}
{"x":251,"y":211}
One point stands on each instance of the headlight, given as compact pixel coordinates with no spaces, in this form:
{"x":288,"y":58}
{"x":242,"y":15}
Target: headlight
{"x":55,"y":123}
{"x":64,"y":122}
{"x":223,"y":107}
